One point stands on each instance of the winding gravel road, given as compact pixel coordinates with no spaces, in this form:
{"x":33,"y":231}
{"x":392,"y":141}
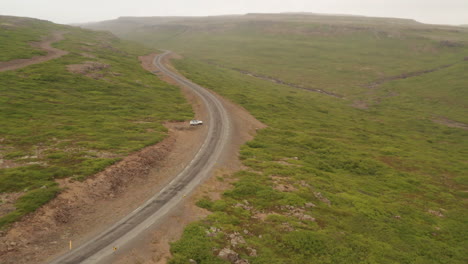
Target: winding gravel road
{"x":98,"y":248}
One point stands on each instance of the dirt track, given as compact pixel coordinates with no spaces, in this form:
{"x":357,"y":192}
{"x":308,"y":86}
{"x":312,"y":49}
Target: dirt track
{"x":85,"y":208}
{"x":52,"y":53}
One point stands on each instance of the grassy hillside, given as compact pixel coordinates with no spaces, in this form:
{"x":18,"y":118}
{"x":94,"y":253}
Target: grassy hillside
{"x":74,"y":116}
{"x":16,"y":34}
{"x":319,"y":51}
{"x":374,"y":174}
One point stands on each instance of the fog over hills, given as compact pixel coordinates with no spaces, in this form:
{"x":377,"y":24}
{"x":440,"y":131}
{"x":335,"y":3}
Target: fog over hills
{"x":364,"y":156}
{"x":341,"y":138}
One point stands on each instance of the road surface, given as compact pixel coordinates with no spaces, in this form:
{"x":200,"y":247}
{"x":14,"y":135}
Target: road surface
{"x":102,"y":246}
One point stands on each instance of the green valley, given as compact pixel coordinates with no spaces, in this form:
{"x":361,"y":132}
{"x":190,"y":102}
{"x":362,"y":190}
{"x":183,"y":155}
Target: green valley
{"x":73,"y":116}
{"x":364,"y":159}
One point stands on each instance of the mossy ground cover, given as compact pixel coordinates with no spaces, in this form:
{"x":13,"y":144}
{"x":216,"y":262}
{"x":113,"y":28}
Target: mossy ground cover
{"x":387,"y":183}
{"x":387,"y":174}
{"x":16,"y":35}
{"x":317,"y":52}
{"x":58,"y":124}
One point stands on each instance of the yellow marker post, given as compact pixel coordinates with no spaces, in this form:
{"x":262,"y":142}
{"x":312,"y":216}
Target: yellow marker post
{"x":115,"y":249}
{"x":70,"y":245}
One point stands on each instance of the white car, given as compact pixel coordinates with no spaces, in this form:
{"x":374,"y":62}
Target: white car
{"x":196,"y":122}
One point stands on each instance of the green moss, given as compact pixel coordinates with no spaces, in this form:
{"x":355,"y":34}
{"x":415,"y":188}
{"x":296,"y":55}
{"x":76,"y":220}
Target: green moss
{"x":17,"y":34}
{"x":373,"y":175}
{"x":71,"y":125}
{"x":196,"y":245}
{"x":29,"y":203}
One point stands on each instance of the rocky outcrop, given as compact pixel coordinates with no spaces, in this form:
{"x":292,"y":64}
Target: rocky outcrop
{"x":252,"y":252}
{"x":322,"y":198}
{"x":229,"y":255}
{"x":212,"y":231}
{"x":236,"y":239}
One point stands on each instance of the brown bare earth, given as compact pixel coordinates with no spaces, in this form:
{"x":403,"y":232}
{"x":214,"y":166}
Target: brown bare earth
{"x":8,"y":200}
{"x":89,"y":68}
{"x":52,"y":53}
{"x":450,"y":123}
{"x":86,"y":208}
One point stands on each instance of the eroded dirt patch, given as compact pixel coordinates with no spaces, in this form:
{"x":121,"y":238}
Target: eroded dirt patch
{"x":450,"y":123}
{"x":88,"y":55}
{"x":359,"y":104}
{"x":282,"y":184}
{"x":7,"y":202}
{"x":6,"y":164}
{"x":91,"y":69}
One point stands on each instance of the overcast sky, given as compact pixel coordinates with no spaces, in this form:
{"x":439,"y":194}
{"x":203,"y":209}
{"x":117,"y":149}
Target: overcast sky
{"x":71,"y":11}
